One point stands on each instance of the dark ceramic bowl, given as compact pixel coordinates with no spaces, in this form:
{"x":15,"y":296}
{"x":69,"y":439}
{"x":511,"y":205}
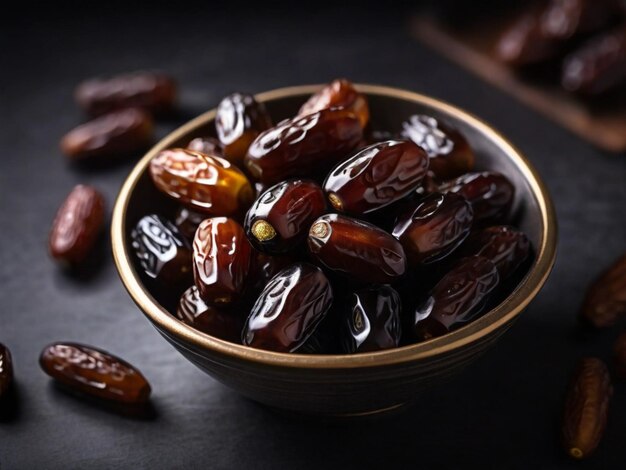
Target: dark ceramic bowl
{"x":344,"y":384}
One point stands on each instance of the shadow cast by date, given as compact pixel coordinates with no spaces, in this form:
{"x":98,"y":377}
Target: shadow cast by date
{"x":93,"y":266}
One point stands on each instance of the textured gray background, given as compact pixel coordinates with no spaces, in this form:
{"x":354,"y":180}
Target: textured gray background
{"x":501,"y":413}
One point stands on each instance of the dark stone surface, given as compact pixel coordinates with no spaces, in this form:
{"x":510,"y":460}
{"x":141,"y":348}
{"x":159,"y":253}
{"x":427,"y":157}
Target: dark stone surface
{"x":503,"y":412}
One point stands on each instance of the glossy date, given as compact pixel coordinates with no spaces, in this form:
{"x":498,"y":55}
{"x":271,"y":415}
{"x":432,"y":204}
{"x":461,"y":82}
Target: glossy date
{"x":605,"y":301}
{"x":6,"y":370}
{"x":339,"y":93}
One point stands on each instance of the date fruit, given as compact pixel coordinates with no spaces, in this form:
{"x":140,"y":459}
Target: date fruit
{"x":239,"y":120}
{"x":448,"y":151}
{"x":303,"y":145}
{"x":525,"y":43}
{"x":95,"y":372}
{"x":372,"y":320}
{"x":204,"y":183}
{"x":280,"y":218}
{"x":151,"y":91}
{"x":376,"y":176}
{"x":586,"y":408}
{"x":222,"y":259}
{"x":289,"y":309}
{"x":339,"y":93}
{"x":605,"y":300}
{"x":456,"y":298}
{"x":187,"y":221}
{"x":489,"y":193}
{"x":206,"y":145}
{"x":193,"y":311}
{"x":112,"y":135}
{"x":164,"y":254}
{"x":77,"y":225}
{"x":619,"y":352}
{"x":434,"y":228}
{"x":356,"y":249}
{"x":6,"y":370}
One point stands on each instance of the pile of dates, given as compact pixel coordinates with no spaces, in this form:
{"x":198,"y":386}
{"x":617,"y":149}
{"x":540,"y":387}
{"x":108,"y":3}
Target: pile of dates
{"x":321,"y":235}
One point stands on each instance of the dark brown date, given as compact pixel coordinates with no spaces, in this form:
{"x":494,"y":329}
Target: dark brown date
{"x":586,"y":408}
{"x":434,"y":228}
{"x":505,"y":246}
{"x":490,"y":194}
{"x":95,"y":372}
{"x":239,"y":120}
{"x":448,"y":151}
{"x":222,"y":259}
{"x":151,"y":91}
{"x":605,"y":300}
{"x":456,"y":298}
{"x":356,"y":249}
{"x":376,"y":176}
{"x":163,"y":253}
{"x":187,"y":222}
{"x":6,"y":370}
{"x":286,"y":313}
{"x":112,"y":135}
{"x":207,"y":184}
{"x":193,"y":311}
{"x":619,"y":353}
{"x":303,"y":145}
{"x":280,"y":218}
{"x":206,"y":145}
{"x":77,"y":225}
{"x":372,"y":320}
{"x":339,"y":93}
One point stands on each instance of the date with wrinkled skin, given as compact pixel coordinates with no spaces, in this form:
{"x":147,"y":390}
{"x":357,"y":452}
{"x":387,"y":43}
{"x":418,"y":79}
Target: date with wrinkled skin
{"x":303,"y":145}
{"x":288,"y":310}
{"x":619,"y":353}
{"x":113,"y":135}
{"x":187,"y":221}
{"x":193,"y":311}
{"x":204,"y":183}
{"x":605,"y":300}
{"x":239,"y":120}
{"x":456,"y":298}
{"x":372,"y":320}
{"x":77,"y":226}
{"x":490,"y":194}
{"x":151,"y":91}
{"x":206,"y":145}
{"x":95,"y":372}
{"x":586,"y":408}
{"x":6,"y":370}
{"x":280,"y":218}
{"x":376,"y":176}
{"x":505,"y":246}
{"x":448,"y":151}
{"x":434,"y":228}
{"x":222,"y":260}
{"x":164,"y":254}
{"x":356,"y":249}
{"x":339,"y":93}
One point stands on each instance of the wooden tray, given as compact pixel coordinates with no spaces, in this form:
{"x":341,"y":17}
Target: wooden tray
{"x":601,"y":123}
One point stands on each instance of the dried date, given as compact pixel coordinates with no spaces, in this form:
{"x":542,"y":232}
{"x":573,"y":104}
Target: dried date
{"x":6,"y":370}
{"x":339,"y":93}
{"x":605,"y":300}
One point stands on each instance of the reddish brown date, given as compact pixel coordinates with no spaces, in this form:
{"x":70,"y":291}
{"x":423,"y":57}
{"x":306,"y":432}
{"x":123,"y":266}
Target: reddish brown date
{"x":163,"y":253}
{"x":339,"y":93}
{"x":222,"y":259}
{"x":376,"y":176}
{"x":239,"y":120}
{"x":490,"y":194}
{"x":605,"y":300}
{"x":193,"y":311}
{"x":303,"y":145}
{"x":456,"y":298}
{"x":586,"y":408}
{"x":6,"y":370}
{"x":280,"y":218}
{"x":434,"y":228}
{"x":95,"y":372}
{"x":619,"y":353}
{"x":204,"y":183}
{"x":187,"y":222}
{"x":448,"y":151}
{"x":206,"y":145}
{"x":505,"y":246}
{"x":356,"y":249}
{"x":153,"y":92}
{"x":77,"y":225}
{"x":112,"y":135}
{"x":292,"y":304}
{"x":372,"y":320}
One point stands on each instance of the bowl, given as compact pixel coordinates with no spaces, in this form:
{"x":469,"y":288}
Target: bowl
{"x":344,"y":384}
